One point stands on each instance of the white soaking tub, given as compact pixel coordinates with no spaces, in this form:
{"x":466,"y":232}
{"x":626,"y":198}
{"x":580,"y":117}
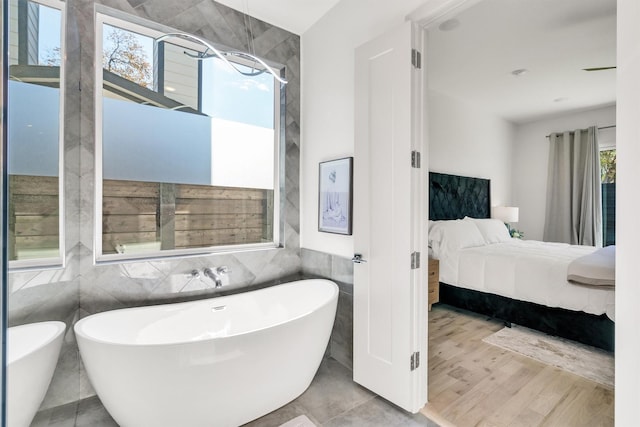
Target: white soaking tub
{"x":216,"y":362}
{"x":32,"y":356}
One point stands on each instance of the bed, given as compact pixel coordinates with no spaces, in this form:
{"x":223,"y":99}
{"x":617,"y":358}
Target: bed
{"x":484,"y":270}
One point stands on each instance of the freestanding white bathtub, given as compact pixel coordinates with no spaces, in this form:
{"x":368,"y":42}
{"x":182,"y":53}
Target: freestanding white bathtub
{"x":216,"y":362}
{"x":32,"y":355}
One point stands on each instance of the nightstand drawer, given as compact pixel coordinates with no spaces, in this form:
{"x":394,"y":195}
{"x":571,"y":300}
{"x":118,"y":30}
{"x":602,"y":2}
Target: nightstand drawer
{"x":434,"y":269}
{"x":434,"y":292}
{"x":433,"y":278}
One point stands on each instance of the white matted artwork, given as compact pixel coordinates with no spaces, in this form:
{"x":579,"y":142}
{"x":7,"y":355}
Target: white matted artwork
{"x":335,"y":196}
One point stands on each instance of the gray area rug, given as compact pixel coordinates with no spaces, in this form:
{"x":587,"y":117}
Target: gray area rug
{"x":588,"y":362}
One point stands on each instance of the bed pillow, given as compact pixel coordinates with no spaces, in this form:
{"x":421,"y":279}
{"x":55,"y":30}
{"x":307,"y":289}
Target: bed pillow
{"x":449,"y":236}
{"x":492,"y":230}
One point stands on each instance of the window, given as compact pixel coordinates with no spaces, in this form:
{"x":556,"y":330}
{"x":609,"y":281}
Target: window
{"x":35,"y":133}
{"x":608,"y":179}
{"x":188,"y":149}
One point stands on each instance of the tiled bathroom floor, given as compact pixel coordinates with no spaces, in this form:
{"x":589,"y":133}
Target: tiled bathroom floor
{"x":332,"y":400}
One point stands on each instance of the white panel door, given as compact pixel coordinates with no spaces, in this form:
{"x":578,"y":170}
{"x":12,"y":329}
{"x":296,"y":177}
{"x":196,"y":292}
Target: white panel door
{"x":389,"y":296}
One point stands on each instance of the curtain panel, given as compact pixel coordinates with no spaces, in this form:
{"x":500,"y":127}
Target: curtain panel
{"x":574,"y":199}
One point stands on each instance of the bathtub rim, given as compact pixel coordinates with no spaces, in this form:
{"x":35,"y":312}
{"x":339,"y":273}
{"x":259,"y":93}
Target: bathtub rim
{"x":61,"y":328}
{"x":81,"y":334}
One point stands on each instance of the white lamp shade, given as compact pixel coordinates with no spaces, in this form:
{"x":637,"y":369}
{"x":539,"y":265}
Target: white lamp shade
{"x":506,"y":214}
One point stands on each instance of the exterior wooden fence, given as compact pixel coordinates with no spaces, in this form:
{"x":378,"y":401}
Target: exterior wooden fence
{"x":34,"y":217}
{"x":170,"y":215}
{"x":183,"y":216}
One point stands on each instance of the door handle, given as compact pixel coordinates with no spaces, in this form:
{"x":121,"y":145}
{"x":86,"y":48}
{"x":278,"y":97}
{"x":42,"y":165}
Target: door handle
{"x":357,"y":259}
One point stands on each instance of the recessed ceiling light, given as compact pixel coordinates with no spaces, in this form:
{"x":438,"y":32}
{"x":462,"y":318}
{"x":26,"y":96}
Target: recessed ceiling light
{"x":519,"y":72}
{"x":449,"y":25}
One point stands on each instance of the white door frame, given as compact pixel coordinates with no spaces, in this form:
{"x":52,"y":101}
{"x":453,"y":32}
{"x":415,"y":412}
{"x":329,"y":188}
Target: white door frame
{"x":434,"y":10}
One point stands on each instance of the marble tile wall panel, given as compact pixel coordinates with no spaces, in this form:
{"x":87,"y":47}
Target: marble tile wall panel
{"x":342,"y":334}
{"x":81,"y":287}
{"x":340,"y":270}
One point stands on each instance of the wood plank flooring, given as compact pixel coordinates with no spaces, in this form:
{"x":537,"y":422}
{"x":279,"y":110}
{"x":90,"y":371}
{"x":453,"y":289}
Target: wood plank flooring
{"x":472,"y":383}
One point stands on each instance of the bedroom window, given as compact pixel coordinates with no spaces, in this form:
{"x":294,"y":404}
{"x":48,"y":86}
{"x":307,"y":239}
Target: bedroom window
{"x":608,"y":180}
{"x":188,"y":150}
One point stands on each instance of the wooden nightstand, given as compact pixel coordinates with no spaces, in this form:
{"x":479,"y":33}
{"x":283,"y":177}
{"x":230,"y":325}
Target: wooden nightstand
{"x":434,"y":282}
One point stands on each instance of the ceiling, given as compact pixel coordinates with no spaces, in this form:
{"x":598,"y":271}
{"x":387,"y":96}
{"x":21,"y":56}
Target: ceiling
{"x":295,"y":16}
{"x":552,"y":39}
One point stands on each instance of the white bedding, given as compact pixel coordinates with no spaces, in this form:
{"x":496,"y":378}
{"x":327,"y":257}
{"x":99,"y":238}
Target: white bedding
{"x":596,"y":269}
{"x":525,"y":270}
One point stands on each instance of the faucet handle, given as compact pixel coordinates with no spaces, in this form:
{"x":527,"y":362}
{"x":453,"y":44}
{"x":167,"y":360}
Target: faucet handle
{"x":223,"y":269}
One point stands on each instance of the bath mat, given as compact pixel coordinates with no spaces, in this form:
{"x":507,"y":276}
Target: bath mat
{"x":588,"y":362}
{"x":301,"y":421}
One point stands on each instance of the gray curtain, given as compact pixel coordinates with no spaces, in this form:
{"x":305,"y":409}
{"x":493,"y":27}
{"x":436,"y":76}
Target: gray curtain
{"x":574,"y":200}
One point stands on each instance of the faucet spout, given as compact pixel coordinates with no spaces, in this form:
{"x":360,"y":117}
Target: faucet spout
{"x":216,"y":274}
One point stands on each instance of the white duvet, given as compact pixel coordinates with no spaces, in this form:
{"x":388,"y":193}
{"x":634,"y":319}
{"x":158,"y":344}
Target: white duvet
{"x":526,"y":270}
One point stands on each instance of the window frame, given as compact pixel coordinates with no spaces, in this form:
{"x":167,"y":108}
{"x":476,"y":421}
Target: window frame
{"x":60,"y":260}
{"x":154,"y":30}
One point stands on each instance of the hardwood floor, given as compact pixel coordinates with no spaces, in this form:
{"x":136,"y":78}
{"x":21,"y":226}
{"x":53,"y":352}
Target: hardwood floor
{"x":472,"y":383}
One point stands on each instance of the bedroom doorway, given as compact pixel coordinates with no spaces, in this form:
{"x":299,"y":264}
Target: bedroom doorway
{"x":470,"y":134}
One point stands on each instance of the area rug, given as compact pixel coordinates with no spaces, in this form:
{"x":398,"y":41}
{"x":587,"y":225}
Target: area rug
{"x":301,"y":421}
{"x":588,"y":362}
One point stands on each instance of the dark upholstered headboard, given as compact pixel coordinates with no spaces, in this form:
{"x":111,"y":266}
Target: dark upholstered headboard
{"x":454,"y":197}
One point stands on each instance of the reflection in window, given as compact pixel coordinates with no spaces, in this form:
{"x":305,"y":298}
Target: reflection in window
{"x":34,"y":130}
{"x":126,"y":54}
{"x":189,"y":147}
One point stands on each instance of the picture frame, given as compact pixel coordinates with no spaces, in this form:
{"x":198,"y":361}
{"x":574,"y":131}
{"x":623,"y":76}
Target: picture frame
{"x":335,"y":196}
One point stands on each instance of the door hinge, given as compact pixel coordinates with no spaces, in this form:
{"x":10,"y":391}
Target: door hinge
{"x":415,"y":360}
{"x":415,"y":260}
{"x":415,"y":159}
{"x":416,"y":58}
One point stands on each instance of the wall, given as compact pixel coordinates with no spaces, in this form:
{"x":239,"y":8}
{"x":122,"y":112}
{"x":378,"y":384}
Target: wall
{"x":340,"y":270}
{"x":465,"y":140}
{"x":531,"y":159}
{"x":628,"y":235}
{"x":328,"y":99}
{"x":82,"y":287}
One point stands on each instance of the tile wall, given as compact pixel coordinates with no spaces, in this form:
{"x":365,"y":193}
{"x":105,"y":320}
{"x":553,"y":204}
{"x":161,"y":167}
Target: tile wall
{"x":340,"y":270}
{"x":82,"y":287}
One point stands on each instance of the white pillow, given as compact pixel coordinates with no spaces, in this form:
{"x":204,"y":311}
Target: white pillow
{"x":492,"y":230}
{"x":446,"y":237}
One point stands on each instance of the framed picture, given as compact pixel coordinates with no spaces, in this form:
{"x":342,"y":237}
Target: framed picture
{"x":335,"y":196}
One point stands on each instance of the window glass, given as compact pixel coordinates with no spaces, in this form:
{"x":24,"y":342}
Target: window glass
{"x":608,"y":179}
{"x":189,"y":147}
{"x":608,"y":166}
{"x":34,"y":132}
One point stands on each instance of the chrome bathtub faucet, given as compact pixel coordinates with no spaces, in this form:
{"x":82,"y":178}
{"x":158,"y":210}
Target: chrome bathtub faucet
{"x":216,"y":274}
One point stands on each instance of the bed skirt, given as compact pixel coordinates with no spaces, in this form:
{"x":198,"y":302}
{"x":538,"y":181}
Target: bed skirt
{"x":597,"y":331}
